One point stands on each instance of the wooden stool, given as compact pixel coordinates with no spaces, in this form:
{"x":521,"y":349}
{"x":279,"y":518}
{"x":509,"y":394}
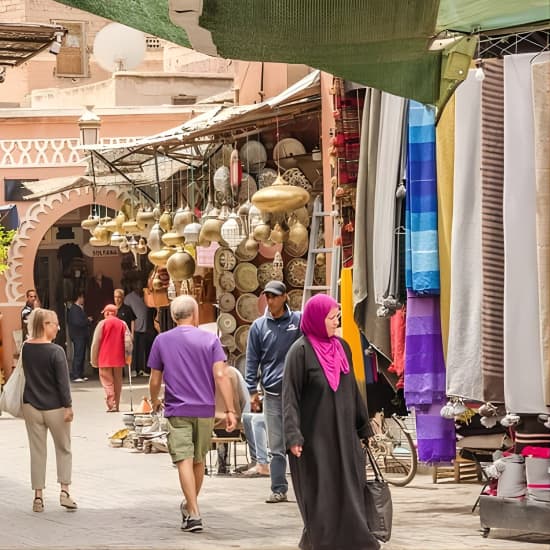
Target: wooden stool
{"x":461,"y":470}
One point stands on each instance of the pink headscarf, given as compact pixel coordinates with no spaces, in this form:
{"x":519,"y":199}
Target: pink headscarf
{"x":329,"y":351}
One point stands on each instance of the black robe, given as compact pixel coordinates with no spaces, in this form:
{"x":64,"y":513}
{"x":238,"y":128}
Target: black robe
{"x":329,"y":477}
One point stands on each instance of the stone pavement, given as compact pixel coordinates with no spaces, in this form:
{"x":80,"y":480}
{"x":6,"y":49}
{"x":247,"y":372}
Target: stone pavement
{"x":130,"y":500}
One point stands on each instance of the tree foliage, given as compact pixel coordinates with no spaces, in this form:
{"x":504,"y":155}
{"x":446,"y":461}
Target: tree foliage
{"x":6,"y":237}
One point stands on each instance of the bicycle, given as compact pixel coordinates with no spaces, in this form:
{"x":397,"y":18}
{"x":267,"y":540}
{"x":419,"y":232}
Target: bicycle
{"x":393,"y":448}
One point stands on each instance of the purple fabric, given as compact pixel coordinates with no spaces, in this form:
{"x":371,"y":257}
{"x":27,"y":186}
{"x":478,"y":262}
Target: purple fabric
{"x":329,"y":351}
{"x":435,"y":435}
{"x":186,"y":356}
{"x":424,"y":363}
{"x":425,"y":379}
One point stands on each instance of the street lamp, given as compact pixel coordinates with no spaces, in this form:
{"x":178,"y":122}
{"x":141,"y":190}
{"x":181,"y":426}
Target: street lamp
{"x":89,"y":124}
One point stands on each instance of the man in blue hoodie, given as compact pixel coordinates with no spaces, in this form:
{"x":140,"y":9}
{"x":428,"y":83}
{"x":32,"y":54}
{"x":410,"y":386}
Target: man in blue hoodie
{"x":269,"y":339}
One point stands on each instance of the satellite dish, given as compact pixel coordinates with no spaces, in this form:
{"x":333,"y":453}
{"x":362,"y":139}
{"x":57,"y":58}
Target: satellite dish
{"x":119,"y":48}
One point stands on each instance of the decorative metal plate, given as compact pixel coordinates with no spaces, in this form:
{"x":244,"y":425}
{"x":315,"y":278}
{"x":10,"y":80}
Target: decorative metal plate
{"x":224,"y":259}
{"x":247,"y":307}
{"x":227,"y":302}
{"x":226,"y":281}
{"x":226,"y":323}
{"x":246,"y":277}
{"x":295,"y":272}
{"x":265,"y":273}
{"x":295,"y":299}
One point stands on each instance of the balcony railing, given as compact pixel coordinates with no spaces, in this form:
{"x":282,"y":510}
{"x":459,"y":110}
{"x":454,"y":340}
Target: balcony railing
{"x":33,"y":153}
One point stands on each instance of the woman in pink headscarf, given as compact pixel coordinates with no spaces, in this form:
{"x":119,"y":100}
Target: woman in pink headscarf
{"x":325,"y":419}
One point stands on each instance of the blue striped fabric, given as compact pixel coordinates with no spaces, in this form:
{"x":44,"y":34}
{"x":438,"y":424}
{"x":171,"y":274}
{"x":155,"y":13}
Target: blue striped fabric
{"x":422,"y":257}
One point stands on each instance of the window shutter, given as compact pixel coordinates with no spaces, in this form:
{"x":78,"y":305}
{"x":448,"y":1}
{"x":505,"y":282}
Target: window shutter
{"x":72,"y":60}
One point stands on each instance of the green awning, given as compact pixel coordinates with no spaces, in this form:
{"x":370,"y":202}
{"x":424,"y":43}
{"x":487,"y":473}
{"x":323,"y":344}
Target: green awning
{"x":150,"y":16}
{"x":380,"y":43}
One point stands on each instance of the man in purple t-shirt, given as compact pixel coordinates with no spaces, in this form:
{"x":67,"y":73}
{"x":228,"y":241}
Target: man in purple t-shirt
{"x":192,"y":363}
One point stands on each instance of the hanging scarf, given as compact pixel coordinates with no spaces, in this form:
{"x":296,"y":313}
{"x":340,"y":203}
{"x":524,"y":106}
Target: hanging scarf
{"x":329,"y":351}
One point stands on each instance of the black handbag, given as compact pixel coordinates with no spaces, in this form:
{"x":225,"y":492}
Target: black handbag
{"x":378,"y":503}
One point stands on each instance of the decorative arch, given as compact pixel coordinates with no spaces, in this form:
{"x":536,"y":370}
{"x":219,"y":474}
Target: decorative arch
{"x":39,"y":218}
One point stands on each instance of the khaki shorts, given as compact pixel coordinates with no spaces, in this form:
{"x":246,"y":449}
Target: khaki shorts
{"x":189,"y":437}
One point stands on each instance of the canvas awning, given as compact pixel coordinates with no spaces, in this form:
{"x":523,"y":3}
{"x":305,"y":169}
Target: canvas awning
{"x":194,"y":141}
{"x":384,"y":44}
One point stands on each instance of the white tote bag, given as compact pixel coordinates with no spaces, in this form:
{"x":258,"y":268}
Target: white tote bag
{"x":11,"y":399}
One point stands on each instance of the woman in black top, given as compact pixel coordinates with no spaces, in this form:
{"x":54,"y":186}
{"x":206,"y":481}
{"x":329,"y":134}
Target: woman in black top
{"x":47,"y":405}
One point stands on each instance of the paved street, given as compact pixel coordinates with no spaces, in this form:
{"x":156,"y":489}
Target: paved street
{"x":130,"y":500}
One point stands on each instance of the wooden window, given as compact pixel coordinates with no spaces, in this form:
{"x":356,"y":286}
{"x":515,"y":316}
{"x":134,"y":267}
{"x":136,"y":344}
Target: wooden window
{"x":72,"y":60}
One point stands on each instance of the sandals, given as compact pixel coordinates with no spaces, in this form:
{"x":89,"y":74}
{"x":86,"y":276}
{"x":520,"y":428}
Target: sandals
{"x":37,"y":504}
{"x":66,"y":501}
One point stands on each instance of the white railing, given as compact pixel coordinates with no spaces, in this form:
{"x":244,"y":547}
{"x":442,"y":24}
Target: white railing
{"x":29,"y":153}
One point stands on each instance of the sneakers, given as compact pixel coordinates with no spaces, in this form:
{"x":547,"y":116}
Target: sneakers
{"x":276,"y":497}
{"x":188,"y":523}
{"x":192,"y":525}
{"x":143,"y":373}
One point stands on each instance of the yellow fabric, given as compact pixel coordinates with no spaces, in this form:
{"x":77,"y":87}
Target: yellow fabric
{"x":350,"y":331}
{"x":445,"y":146}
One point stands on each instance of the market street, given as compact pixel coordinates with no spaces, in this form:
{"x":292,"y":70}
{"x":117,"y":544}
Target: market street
{"x":130,"y":500}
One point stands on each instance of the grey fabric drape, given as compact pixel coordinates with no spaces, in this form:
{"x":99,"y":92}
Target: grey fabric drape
{"x":376,"y":329}
{"x":388,"y":175}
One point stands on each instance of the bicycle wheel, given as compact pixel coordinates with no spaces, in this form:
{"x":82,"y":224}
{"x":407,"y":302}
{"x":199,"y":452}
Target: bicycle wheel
{"x":395,"y":452}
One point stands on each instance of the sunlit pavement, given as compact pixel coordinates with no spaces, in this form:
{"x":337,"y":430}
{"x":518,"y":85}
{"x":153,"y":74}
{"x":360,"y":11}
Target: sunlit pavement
{"x":130,"y":500}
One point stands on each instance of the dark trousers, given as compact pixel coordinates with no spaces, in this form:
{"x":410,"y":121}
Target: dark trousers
{"x":79,"y":357}
{"x":142,"y":347}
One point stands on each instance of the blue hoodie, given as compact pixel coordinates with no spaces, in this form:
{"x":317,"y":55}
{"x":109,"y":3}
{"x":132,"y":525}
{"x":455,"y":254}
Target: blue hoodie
{"x":269,"y":340}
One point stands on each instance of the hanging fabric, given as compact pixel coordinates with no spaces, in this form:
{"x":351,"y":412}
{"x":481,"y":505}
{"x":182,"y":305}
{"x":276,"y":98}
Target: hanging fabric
{"x":445,"y":147}
{"x":492,"y":231}
{"x":422,"y":259}
{"x":541,"y":99}
{"x":464,"y":347}
{"x":523,"y":381}
{"x":425,"y":379}
{"x":375,"y":329}
{"x":424,"y":365}
{"x":350,"y":331}
{"x":388,"y":177}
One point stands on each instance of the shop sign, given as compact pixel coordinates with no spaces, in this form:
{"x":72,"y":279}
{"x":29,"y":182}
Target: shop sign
{"x":99,"y":251}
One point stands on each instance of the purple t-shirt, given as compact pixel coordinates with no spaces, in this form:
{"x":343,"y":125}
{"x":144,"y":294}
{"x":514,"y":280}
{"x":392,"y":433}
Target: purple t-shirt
{"x":186,"y":356}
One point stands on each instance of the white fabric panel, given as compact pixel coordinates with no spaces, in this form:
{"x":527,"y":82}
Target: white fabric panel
{"x":523,"y":382}
{"x":387,"y":178}
{"x":464,"y":348}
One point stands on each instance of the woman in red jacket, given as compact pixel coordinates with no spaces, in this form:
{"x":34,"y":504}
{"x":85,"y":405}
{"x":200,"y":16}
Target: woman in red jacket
{"x":111,"y":351}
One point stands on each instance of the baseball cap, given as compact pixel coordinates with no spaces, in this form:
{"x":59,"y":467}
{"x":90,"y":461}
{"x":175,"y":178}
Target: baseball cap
{"x":110,"y":308}
{"x":275,"y":287}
